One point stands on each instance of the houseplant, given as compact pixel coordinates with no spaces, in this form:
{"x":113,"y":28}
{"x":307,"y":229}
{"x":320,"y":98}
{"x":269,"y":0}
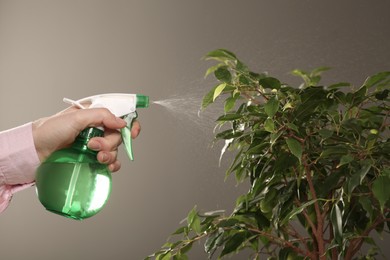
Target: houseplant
{"x":316,"y":159}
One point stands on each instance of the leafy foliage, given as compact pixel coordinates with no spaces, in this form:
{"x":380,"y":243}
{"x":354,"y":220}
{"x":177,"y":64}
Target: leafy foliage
{"x":316,"y":158}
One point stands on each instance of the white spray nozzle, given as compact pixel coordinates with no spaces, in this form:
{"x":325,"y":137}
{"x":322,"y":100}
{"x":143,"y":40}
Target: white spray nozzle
{"x":121,"y":105}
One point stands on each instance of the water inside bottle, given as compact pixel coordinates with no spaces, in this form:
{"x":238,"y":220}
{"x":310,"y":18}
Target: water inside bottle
{"x":74,"y":190}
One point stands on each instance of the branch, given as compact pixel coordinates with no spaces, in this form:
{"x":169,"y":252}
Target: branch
{"x":356,"y":243}
{"x":334,"y":251}
{"x":294,"y":233}
{"x":284,"y":243}
{"x":320,"y":222}
{"x":251,"y":98}
{"x":262,"y":94}
{"x":301,"y":140}
{"x":307,"y":217}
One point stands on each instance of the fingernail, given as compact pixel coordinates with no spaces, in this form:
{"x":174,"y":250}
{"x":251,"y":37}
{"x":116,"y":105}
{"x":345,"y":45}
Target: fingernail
{"x":104,"y":158}
{"x":94,"y":146}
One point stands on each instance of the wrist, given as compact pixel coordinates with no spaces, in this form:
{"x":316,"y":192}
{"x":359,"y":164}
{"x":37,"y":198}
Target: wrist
{"x":40,"y":148}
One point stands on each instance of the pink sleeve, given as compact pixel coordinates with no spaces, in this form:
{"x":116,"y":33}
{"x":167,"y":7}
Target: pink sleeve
{"x":18,"y":161}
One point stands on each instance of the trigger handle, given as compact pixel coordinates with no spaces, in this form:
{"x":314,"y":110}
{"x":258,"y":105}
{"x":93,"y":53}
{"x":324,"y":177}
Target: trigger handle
{"x":126,"y":134}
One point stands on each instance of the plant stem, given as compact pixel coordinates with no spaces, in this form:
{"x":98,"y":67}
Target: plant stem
{"x":251,"y":99}
{"x":318,"y":232}
{"x":357,"y":243}
{"x":294,"y":233}
{"x":283,"y":242}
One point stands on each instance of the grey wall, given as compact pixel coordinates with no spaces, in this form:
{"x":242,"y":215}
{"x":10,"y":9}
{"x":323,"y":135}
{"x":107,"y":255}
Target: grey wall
{"x":54,"y":49}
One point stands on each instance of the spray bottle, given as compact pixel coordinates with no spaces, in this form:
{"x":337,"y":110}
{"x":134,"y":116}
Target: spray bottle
{"x":71,"y":182}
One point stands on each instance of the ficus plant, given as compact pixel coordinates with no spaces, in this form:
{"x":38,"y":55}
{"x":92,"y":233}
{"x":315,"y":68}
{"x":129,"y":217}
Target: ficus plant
{"x":316,"y":159}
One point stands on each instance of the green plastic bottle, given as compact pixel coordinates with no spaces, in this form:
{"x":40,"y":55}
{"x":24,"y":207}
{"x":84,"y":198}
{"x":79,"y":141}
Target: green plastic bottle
{"x":71,"y":182}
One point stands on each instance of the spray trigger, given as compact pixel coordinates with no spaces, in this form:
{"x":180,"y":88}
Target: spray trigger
{"x":126,"y":133}
{"x":121,"y":105}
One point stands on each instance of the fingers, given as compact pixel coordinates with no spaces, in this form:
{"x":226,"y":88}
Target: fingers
{"x":109,"y":158}
{"x":112,"y":139}
{"x":107,"y":148}
{"x":110,"y":142}
{"x":95,"y":117}
{"x":115,"y":166}
{"x":135,"y":129}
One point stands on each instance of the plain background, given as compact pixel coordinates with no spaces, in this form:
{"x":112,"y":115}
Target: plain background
{"x":53,"y":49}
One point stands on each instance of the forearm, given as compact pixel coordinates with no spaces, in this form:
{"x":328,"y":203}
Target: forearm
{"x":18,"y":161}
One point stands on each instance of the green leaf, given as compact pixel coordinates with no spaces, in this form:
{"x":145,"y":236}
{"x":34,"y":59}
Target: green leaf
{"x":303,"y":75}
{"x":208,"y":98}
{"x":220,"y":55}
{"x":284,"y":253}
{"x":381,"y":190}
{"x":367,"y":205}
{"x":164,"y":256}
{"x":359,"y":96}
{"x":358,"y":177}
{"x":230,"y":102}
{"x":213,"y":241}
{"x":297,"y":211}
{"x":325,"y":133}
{"x":229,"y":117}
{"x":187,"y":247}
{"x":284,"y":162}
{"x":339,"y":85}
{"x":382,"y":95}
{"x":345,"y":159}
{"x":244,"y":79}
{"x":229,"y":222}
{"x":170,"y":245}
{"x":268,"y":203}
{"x":180,"y":230}
{"x":318,"y":71}
{"x":257,"y":149}
{"x":233,"y":243}
{"x":270,"y":82}
{"x":315,"y":75}
{"x":228,"y":134}
{"x":337,"y":222}
{"x":241,"y":67}
{"x":218,"y":90}
{"x":377,"y":78}
{"x":271,"y":107}
{"x":312,"y":78}
{"x":180,"y":257}
{"x":299,"y":72}
{"x":269,"y":125}
{"x":213,"y":68}
{"x":292,"y":127}
{"x":193,"y":220}
{"x":288,"y":105}
{"x":334,"y":151}
{"x":295,"y":147}
{"x":223,"y":74}
{"x":330,"y":182}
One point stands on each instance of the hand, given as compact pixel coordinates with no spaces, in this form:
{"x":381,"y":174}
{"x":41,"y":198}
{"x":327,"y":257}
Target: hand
{"x":60,"y":131}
